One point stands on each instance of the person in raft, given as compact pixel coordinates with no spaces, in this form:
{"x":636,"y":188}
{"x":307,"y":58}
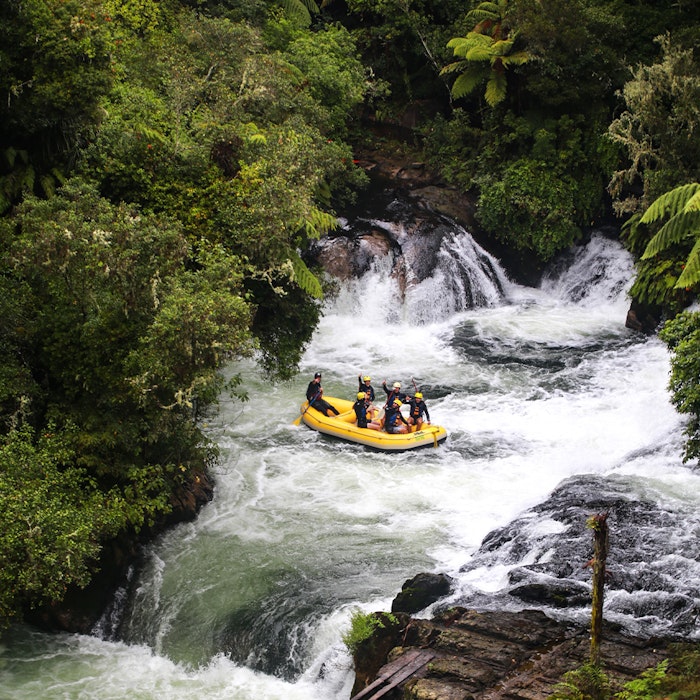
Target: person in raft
{"x":362,"y":408}
{"x":364,"y":385}
{"x":416,"y":410}
{"x":394,"y":393}
{"x":314,"y":395}
{"x":394,"y":422}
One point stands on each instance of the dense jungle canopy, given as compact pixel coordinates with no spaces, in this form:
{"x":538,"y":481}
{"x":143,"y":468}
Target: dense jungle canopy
{"x":164,"y":166}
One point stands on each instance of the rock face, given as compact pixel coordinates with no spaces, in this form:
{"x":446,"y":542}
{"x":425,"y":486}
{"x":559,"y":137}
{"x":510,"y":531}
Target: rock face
{"x":496,"y":655}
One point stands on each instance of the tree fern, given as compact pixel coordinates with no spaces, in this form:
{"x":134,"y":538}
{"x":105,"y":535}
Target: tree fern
{"x":682,"y":226}
{"x":489,"y":47}
{"x":682,"y":205}
{"x":305,"y":278}
{"x":683,"y":198}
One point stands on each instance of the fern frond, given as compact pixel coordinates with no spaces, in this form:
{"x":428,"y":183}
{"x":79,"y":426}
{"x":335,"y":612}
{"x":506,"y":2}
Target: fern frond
{"x":480,"y":53}
{"x":48,"y":185}
{"x":300,"y":10}
{"x":467,"y":82}
{"x":487,"y":11}
{"x":459,"y":45}
{"x":454,"y":67}
{"x":516,"y":59}
{"x":670,"y":203}
{"x":317,"y":223}
{"x":502,"y":47}
{"x":680,"y":227}
{"x":691,"y":272}
{"x":495,"y":89}
{"x":693,"y":204}
{"x":306,"y":279}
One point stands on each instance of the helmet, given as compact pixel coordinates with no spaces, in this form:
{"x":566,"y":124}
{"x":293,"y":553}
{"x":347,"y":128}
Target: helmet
{"x":317,"y":375}
{"x":366,"y":379}
{"x":397,"y":385}
{"x":419,"y":395}
{"x":397,"y":403}
{"x":360,"y":394}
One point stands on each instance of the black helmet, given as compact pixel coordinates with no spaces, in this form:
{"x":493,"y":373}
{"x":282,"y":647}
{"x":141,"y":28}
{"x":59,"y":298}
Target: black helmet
{"x":317,"y":375}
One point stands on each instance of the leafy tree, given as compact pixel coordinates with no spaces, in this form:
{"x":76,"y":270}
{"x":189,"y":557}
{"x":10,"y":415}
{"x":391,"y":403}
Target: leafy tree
{"x":121,"y":339}
{"x":656,"y":130}
{"x":530,"y":208}
{"x":55,"y":59}
{"x":53,"y":520}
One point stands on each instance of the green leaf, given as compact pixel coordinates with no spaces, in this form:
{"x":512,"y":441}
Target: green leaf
{"x":672,"y":202}
{"x":467,"y":82}
{"x":682,"y":226}
{"x":305,"y":278}
{"x":691,"y":273}
{"x":495,"y":89}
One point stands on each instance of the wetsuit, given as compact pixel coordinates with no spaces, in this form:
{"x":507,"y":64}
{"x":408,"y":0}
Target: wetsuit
{"x":365,"y":387}
{"x":360,"y":408}
{"x":392,"y":416}
{"x":417,"y":409}
{"x":394,"y":394}
{"x":313,"y":396}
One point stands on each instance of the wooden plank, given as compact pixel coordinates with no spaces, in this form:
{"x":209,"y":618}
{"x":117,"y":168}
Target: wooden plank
{"x":387,"y":671}
{"x":404,"y":674}
{"x":395,"y":673}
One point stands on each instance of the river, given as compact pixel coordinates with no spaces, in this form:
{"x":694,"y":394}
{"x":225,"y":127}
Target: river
{"x":550,"y":404}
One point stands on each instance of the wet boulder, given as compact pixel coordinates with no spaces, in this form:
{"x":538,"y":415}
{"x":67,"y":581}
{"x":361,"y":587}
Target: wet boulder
{"x":421,"y":591}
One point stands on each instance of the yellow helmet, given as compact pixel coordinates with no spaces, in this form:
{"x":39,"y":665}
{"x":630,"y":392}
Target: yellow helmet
{"x":397,"y":403}
{"x":419,"y":395}
{"x":360,"y":394}
{"x":366,"y":379}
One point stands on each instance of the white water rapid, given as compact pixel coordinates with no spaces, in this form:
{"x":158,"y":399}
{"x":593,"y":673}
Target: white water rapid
{"x":539,"y":388}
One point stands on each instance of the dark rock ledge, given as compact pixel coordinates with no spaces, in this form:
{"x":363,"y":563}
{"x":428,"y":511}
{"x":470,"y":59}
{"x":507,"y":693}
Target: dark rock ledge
{"x":496,"y":655}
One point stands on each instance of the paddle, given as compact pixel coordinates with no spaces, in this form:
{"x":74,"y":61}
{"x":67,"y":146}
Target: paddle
{"x":297,"y":421}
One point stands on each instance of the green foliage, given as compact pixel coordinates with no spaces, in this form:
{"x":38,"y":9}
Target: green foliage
{"x":363,"y":625}
{"x":655,"y":285}
{"x":682,"y":335}
{"x":119,"y":334}
{"x":588,"y":682}
{"x":53,"y":519}
{"x":654,"y":130}
{"x":55,"y":69}
{"x":681,"y":206}
{"x":485,"y":53}
{"x":332,"y":71}
{"x":530,"y":208}
{"x":647,"y":687}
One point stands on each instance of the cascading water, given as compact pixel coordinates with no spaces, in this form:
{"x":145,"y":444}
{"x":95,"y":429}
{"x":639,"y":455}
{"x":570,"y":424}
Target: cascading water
{"x":554,"y":412}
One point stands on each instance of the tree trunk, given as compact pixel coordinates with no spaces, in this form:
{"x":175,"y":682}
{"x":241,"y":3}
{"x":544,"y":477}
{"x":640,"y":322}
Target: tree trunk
{"x":599,"y":525}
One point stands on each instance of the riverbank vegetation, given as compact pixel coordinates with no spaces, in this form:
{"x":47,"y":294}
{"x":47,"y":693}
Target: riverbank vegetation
{"x":164,"y":165}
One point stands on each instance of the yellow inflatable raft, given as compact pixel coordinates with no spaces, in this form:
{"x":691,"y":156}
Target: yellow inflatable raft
{"x":344,"y":426}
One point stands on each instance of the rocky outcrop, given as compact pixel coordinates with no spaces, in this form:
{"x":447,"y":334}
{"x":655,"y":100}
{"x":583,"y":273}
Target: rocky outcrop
{"x":497,"y":655}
